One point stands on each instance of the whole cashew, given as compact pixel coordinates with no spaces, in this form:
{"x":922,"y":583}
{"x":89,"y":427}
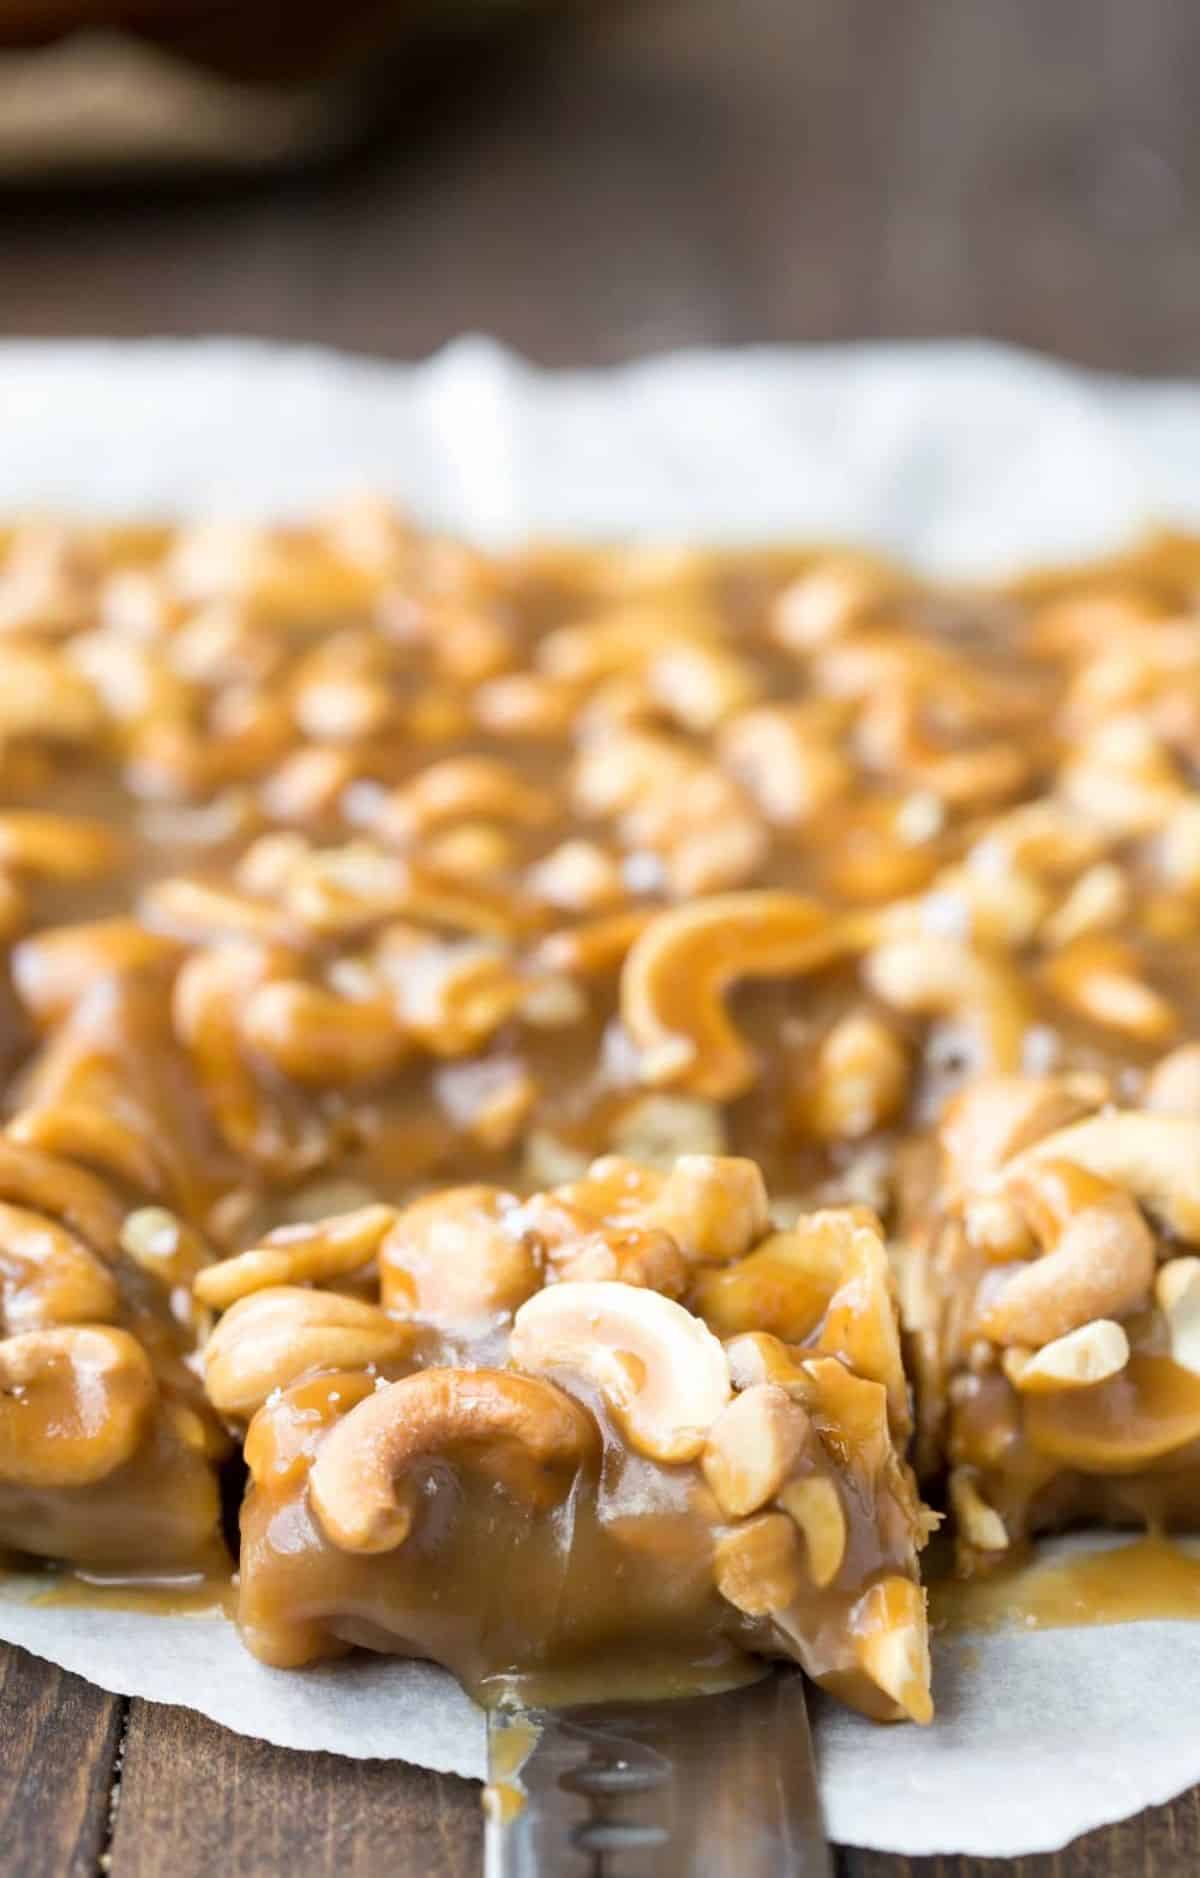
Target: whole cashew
{"x":57,"y":847}
{"x":1099,"y":1258}
{"x":1121,"y":1426}
{"x":75,"y":1403}
{"x":48,"y":1276}
{"x":457,"y":789}
{"x":661,"y":1371}
{"x":210,"y":996}
{"x":712,"y":1206}
{"x":633,"y":1255}
{"x":56,"y":1188}
{"x":297,"y":1255}
{"x":460,"y":1256}
{"x":1157,"y":1157}
{"x":519,"y":1431}
{"x":994,"y":1118}
{"x":273,"y":1338}
{"x":313,"y":1036}
{"x":52,"y":970}
{"x":1101,"y":979}
{"x":675,"y":977}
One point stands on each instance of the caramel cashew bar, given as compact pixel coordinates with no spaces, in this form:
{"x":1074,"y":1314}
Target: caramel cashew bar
{"x":521,"y":1457}
{"x":1055,"y":1300}
{"x":108,"y":1448}
{"x":362,"y":891}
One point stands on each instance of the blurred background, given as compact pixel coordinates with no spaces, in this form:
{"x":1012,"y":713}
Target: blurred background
{"x":589,"y":180}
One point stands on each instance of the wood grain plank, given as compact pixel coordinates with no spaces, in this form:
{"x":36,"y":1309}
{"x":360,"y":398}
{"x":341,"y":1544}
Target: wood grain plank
{"x":674,"y":172}
{"x":58,"y":1746}
{"x":198,"y":1802}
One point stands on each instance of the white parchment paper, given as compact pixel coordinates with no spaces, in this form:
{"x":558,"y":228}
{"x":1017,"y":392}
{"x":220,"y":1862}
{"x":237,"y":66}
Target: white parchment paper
{"x":967,"y":458}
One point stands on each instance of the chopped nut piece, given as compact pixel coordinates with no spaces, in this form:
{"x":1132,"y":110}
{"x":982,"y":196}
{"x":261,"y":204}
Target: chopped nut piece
{"x":1083,"y":1357}
{"x":752,"y":1448}
{"x":760,"y":1566}
{"x":1177,"y":1289}
{"x":815,"y":1504}
{"x":894,"y":1645}
{"x":980,"y":1524}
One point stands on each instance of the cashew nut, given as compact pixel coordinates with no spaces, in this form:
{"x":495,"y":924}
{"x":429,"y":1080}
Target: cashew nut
{"x":284,"y":1435}
{"x":992,"y":1119}
{"x":460,"y":1256}
{"x":58,"y":847}
{"x":824,"y":1283}
{"x":1177,"y":1290}
{"x":676,"y":975}
{"x":655,"y":1130}
{"x":1151,"y":1409}
{"x":754,"y":1356}
{"x":1101,"y":979}
{"x":297,"y":1255}
{"x":1098,"y":1262}
{"x":752,"y":1448}
{"x":660,"y":1370}
{"x":789,"y":760}
{"x":859,"y":1081}
{"x":632,"y":1255}
{"x":451,"y":998}
{"x":272,"y":1338}
{"x":814,"y":1503}
{"x":977,"y":1522}
{"x":597,"y":947}
{"x":891,"y":1635}
{"x":759,"y":1567}
{"x":75,"y":1403}
{"x":1085,"y":1356}
{"x":935,"y":977}
{"x":1099,"y":899}
{"x":1173,"y":1085}
{"x":52,"y":970}
{"x":48,"y":1276}
{"x":1157,"y":1157}
{"x":315,"y":1037}
{"x":59,"y":1190}
{"x":457,"y":789}
{"x":526,"y":1434}
{"x":713,"y":1205}
{"x":210,"y":995}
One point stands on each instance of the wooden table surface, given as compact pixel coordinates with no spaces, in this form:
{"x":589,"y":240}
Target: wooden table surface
{"x":695,"y":171}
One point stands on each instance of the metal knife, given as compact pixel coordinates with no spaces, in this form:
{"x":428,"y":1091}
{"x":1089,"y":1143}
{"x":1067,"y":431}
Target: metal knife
{"x":700,"y":1788}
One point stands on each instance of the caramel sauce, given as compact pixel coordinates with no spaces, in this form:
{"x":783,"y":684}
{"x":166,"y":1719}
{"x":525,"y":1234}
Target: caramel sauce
{"x":913,"y":696}
{"x":208,"y":1592}
{"x":510,"y":1743}
{"x":1134,"y":1582}
{"x":652,"y":1677}
{"x":1150,"y":1410}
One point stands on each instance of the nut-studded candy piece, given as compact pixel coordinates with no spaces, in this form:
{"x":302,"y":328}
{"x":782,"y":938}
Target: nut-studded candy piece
{"x":574,"y":1470}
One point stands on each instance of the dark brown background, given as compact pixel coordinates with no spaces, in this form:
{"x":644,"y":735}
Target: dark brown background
{"x":692,"y":171}
{"x":699,"y":171}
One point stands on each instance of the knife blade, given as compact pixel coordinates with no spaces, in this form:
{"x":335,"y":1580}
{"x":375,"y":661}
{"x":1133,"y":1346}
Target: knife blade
{"x":696,"y":1788}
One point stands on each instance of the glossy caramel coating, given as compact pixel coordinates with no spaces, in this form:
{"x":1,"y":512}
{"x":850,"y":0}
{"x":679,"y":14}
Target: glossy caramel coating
{"x":342,"y":863}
